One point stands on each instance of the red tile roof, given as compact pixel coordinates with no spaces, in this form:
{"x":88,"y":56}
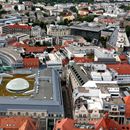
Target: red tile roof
{"x":105,"y":123}
{"x":57,"y":47}
{"x":123,"y":58}
{"x":82,"y":60}
{"x":107,"y":20}
{"x":31,"y":62}
{"x":65,"y":61}
{"x":65,"y":124}
{"x":122,"y":69}
{"x":18,"y":123}
{"x":68,"y":42}
{"x":16,"y":44}
{"x":19,"y":26}
{"x":127,"y":107}
{"x":35,"y":49}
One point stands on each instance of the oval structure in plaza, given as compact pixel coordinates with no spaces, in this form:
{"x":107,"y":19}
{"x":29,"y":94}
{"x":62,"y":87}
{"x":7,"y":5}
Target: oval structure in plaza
{"x":17,"y":85}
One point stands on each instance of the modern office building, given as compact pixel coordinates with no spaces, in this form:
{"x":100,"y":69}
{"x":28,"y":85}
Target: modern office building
{"x":87,"y":30}
{"x":42,"y":100}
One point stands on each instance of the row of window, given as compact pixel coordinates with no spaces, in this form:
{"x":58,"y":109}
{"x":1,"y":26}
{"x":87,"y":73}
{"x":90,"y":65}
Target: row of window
{"x":35,"y":114}
{"x":27,"y":114}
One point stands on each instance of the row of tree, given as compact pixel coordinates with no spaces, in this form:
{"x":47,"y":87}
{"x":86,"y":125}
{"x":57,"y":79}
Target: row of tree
{"x":52,"y":2}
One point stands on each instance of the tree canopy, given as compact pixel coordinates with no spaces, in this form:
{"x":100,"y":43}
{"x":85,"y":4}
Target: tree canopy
{"x":52,"y":2}
{"x":88,"y":18}
{"x":16,"y":7}
{"x":127,"y":30}
{"x":0,"y":6}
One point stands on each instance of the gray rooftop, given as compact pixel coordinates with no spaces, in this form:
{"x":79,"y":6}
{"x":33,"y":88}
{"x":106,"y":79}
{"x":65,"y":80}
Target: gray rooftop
{"x":9,"y":51}
{"x":46,"y":89}
{"x":79,"y":74}
{"x":113,"y":39}
{"x":104,"y":87}
{"x":87,"y":27}
{"x":45,"y":86}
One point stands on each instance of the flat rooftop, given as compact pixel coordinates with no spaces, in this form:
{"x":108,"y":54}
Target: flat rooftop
{"x":48,"y":97}
{"x":104,"y":87}
{"x":89,"y":27}
{"x":79,"y":50}
{"x":115,"y":101}
{"x":45,"y":86}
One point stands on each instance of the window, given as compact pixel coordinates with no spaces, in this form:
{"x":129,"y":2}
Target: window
{"x":106,"y":106}
{"x":43,"y":114}
{"x":84,"y":115}
{"x":121,"y":113}
{"x":19,"y":113}
{"x":34,"y":114}
{"x":80,"y":115}
{"x":10,"y":113}
{"x":27,"y":114}
{"x":114,"y":109}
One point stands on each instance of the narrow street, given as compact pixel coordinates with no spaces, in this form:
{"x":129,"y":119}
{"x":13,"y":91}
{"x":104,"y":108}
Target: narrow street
{"x":67,"y":99}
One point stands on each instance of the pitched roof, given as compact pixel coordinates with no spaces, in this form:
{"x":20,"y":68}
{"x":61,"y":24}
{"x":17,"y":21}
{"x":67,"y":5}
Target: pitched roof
{"x":82,"y":60}
{"x":19,"y":26}
{"x":17,"y":123}
{"x":57,"y":47}
{"x":122,"y":69}
{"x":127,"y":107}
{"x":16,"y":44}
{"x":35,"y":49}
{"x":31,"y":60}
{"x":118,"y":38}
{"x":66,"y":124}
{"x":107,"y":123}
{"x":123,"y":58}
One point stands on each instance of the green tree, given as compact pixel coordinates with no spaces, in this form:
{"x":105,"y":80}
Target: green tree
{"x":90,"y":1}
{"x":16,"y":7}
{"x":2,"y":12}
{"x":73,"y":9}
{"x":88,"y":18}
{"x":40,"y":23}
{"x":33,"y":8}
{"x":103,"y":41}
{"x":64,"y":22}
{"x":124,"y":7}
{"x":0,"y":6}
{"x":127,"y":29}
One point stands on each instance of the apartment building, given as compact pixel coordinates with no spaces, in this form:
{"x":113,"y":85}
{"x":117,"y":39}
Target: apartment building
{"x":16,"y":28}
{"x":58,"y":30}
{"x":95,"y":91}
